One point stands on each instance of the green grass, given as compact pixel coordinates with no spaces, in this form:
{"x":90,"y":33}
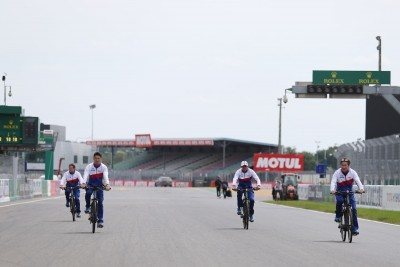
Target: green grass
{"x":387,"y":216}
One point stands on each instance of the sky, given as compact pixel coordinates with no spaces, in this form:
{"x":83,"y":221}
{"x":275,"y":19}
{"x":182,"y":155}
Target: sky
{"x":193,"y":69}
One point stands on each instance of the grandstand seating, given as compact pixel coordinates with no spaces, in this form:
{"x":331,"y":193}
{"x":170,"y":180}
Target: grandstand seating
{"x":181,"y":164}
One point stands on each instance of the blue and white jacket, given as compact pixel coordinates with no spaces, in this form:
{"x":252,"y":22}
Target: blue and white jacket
{"x":96,"y":176}
{"x":243,"y":179}
{"x":71,"y":179}
{"x":341,"y":182}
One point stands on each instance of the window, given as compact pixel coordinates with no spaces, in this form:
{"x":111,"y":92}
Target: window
{"x":85,"y":159}
{"x":75,"y":159}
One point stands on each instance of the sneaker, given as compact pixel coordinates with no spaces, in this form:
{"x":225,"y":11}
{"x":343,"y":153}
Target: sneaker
{"x":337,"y":219}
{"x":67,"y":204}
{"x":87,"y":210}
{"x":251,"y":218}
{"x":355,"y":232}
{"x":100,"y":225}
{"x":239,"y":211}
{"x":78,"y":215}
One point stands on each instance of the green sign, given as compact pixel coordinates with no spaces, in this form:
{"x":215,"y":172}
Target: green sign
{"x":16,"y":130}
{"x":10,"y":130}
{"x":10,"y":110}
{"x":350,"y":77}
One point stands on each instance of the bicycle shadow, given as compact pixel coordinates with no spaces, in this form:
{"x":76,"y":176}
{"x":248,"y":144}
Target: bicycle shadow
{"x":328,"y":241}
{"x":58,"y":221}
{"x":230,"y":229}
{"x":80,"y":233}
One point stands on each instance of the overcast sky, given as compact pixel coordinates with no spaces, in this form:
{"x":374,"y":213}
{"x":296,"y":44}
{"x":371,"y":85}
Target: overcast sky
{"x":193,"y":68}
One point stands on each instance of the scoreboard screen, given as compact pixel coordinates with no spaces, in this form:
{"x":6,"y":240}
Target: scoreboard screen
{"x":17,"y":130}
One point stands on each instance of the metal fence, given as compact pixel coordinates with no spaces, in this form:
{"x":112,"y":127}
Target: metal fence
{"x":12,"y":167}
{"x":377,"y":161}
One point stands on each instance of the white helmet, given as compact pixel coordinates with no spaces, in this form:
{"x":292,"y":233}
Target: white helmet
{"x":244,"y":163}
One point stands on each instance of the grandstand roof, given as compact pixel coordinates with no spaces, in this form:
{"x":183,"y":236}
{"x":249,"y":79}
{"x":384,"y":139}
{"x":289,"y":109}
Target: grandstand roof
{"x":162,"y":142}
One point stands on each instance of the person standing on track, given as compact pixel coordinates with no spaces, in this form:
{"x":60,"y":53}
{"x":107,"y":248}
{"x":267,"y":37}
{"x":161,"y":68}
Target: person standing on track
{"x":96,"y":174}
{"x":72,"y":178}
{"x":343,"y":180}
{"x":224,"y":187}
{"x":242,"y":180}
{"x":218,"y":184}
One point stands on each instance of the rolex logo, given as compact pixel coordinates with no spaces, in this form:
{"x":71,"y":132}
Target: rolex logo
{"x":369,"y":75}
{"x":11,"y":122}
{"x":334,"y":74}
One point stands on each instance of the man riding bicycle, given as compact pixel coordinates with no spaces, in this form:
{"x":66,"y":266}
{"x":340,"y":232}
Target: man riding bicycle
{"x":72,"y":178}
{"x":96,"y":174}
{"x":242,"y":180}
{"x":342,"y":180}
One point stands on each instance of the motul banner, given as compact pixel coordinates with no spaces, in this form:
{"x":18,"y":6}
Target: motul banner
{"x":278,"y":162}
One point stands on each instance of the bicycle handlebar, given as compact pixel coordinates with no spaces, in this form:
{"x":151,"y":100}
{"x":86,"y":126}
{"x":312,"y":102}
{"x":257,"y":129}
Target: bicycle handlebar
{"x":70,"y":187}
{"x":246,"y":189}
{"x":347,"y":192}
{"x":95,"y":187}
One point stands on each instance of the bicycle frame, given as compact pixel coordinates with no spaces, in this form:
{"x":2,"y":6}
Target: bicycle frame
{"x":93,"y":206}
{"x":346,"y":222}
{"x":72,"y":200}
{"x":246,"y":206}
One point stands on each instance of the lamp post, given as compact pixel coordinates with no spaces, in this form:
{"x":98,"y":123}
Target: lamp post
{"x":285,"y":100}
{"x":317,"y":142}
{"x":5,"y":89}
{"x":379,"y":48}
{"x":92,"y":107}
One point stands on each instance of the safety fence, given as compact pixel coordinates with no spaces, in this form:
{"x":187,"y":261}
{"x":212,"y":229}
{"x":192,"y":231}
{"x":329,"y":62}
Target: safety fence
{"x":377,"y":161}
{"x":15,"y":189}
{"x":378,"y":196}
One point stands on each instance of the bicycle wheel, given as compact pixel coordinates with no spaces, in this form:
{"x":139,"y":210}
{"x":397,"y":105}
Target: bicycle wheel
{"x":246,"y":214}
{"x":93,"y":215}
{"x":343,"y":227}
{"x":350,"y":232}
{"x":72,"y":206}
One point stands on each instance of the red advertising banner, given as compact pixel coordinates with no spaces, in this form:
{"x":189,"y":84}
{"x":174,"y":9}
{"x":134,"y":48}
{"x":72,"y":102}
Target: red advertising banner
{"x":278,"y":162}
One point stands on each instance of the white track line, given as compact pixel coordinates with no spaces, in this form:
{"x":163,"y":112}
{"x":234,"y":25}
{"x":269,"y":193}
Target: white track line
{"x":316,"y":211}
{"x":28,"y":202}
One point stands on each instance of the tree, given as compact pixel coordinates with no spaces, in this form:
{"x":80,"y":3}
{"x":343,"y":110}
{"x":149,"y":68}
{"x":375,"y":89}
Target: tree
{"x":309,"y":161}
{"x":290,"y":150}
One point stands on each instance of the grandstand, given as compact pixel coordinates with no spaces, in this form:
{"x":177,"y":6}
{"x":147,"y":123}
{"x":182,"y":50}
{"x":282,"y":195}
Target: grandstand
{"x":196,"y":160}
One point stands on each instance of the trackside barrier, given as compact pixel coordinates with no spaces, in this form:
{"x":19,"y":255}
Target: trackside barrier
{"x":15,"y":189}
{"x":303,"y":191}
{"x":4,"y":190}
{"x":140,"y":183}
{"x":182,"y":184}
{"x":386,"y":197}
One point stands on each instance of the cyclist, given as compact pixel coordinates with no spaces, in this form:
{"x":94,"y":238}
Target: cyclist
{"x":96,"y":174}
{"x":242,"y":180}
{"x":342,"y":180}
{"x":72,"y":178}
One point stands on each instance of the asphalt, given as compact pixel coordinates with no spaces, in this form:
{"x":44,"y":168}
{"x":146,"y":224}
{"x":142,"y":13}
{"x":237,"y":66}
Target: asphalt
{"x":185,"y":227}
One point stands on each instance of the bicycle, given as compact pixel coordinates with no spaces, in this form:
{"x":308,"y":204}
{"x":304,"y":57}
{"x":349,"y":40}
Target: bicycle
{"x":346,"y":221}
{"x":94,"y":206}
{"x":72,"y":206}
{"x":246,"y":205}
